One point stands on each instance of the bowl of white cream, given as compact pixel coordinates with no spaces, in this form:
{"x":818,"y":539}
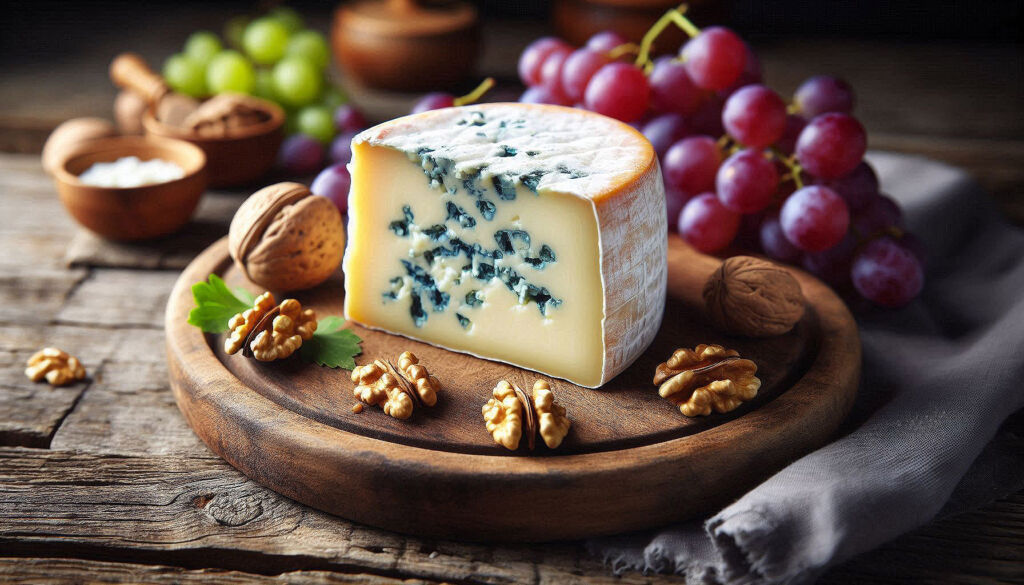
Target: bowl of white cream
{"x":132,"y":187}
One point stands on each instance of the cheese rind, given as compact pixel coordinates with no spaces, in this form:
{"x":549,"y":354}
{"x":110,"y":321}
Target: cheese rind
{"x":533,"y":235}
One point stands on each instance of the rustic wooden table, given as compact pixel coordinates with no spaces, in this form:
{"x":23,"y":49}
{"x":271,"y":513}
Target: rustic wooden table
{"x":104,"y":481}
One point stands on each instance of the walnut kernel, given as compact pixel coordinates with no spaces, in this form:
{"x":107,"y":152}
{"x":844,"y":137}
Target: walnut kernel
{"x":396,"y":390}
{"x":552,"y":422}
{"x":511,"y":415}
{"x":268,"y":331}
{"x":709,"y":378}
{"x":55,"y":365}
{"x":753,"y":297}
{"x":290,"y":328}
{"x":503,"y":416}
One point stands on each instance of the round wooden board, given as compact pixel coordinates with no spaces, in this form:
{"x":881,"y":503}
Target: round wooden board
{"x":631,"y":460}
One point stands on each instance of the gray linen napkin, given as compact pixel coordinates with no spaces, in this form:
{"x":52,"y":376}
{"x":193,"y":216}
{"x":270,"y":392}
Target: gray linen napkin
{"x":940,"y":376}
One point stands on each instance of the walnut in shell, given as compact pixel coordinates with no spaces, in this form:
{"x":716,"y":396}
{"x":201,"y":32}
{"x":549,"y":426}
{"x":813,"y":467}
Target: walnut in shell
{"x":753,"y":297}
{"x":285,"y":238}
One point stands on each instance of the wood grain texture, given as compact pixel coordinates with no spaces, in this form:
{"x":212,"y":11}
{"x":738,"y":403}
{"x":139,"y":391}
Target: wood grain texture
{"x":625,"y":483}
{"x":17,"y":571}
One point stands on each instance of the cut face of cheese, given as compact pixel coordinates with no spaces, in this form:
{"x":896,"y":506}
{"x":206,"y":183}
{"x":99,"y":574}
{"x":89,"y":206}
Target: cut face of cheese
{"x":533,"y":235}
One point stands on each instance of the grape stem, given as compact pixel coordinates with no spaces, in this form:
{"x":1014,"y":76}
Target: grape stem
{"x":790,"y":163}
{"x":476,"y":94}
{"x":624,"y":49}
{"x":672,"y":16}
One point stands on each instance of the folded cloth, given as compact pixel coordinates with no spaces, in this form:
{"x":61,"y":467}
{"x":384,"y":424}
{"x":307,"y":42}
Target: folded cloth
{"x":939,"y":377}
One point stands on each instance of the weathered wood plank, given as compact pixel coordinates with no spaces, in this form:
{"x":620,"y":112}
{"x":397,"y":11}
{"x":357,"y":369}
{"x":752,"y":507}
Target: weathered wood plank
{"x":30,"y":413}
{"x":129,"y":410}
{"x":34,"y":295}
{"x":119,"y":299}
{"x":201,"y":513}
{"x":73,"y":571}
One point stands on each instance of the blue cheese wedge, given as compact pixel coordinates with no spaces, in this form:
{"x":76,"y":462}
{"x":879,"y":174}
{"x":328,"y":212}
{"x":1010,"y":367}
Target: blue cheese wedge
{"x":528,"y":234}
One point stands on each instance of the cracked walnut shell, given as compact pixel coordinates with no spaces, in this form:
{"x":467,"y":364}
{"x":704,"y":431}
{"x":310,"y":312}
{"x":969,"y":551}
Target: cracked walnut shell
{"x":709,"y":378}
{"x":268,"y":331}
{"x":752,"y":297}
{"x":285,"y":238}
{"x":55,"y":365}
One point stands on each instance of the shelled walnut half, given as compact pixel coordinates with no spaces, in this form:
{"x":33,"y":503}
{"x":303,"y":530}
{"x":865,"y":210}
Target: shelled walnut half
{"x":269,"y":331}
{"x":55,"y":365}
{"x":396,"y":390}
{"x":708,"y":378}
{"x":511,"y":414}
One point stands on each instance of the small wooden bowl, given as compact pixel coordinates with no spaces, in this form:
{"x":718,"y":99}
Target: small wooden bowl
{"x":239,"y":159}
{"x":400,"y":45}
{"x":132,"y":213}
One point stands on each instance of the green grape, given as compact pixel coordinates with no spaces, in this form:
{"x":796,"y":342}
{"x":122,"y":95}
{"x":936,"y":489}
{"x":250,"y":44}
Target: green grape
{"x":230,"y":71}
{"x":296,"y":81}
{"x":317,"y":122}
{"x":264,"y":86}
{"x":234,"y":30}
{"x":288,"y":17}
{"x":333,"y":97}
{"x":265,"y":40}
{"x":309,"y":45}
{"x":185,"y":75}
{"x":203,"y":46}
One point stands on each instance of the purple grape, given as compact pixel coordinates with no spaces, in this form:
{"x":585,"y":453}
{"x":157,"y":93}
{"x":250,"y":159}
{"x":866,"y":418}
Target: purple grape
{"x":691,"y":164}
{"x":823,"y":94}
{"x":831,"y":145}
{"x":887,"y":274}
{"x":541,"y":95}
{"x":859,"y":187}
{"x":707,"y":119}
{"x":665,"y":130}
{"x":605,"y":41}
{"x":751,"y":74}
{"x":341,"y":148}
{"x":832,"y":266}
{"x":814,"y":218}
{"x":672,"y":90}
{"x":774,"y":243}
{"x":618,"y":90}
{"x":333,"y":183}
{"x":746,"y":181}
{"x":880,"y":214}
{"x":533,"y":56}
{"x":755,"y":116}
{"x":715,"y":58}
{"x":348,"y":119}
{"x":916,"y":247}
{"x":300,"y":154}
{"x":577,"y":70}
{"x":706,"y":224}
{"x":433,"y":101}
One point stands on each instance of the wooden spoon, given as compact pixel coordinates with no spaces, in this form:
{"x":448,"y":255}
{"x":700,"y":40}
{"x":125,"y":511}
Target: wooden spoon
{"x":130,"y":71}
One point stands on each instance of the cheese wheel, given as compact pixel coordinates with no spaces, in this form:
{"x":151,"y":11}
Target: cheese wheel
{"x":529,"y":234}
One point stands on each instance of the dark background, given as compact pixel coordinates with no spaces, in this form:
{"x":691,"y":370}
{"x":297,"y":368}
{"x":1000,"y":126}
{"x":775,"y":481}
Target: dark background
{"x":33,"y":30}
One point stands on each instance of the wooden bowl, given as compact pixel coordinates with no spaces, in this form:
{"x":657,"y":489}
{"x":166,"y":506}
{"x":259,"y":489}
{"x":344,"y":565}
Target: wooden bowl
{"x":400,"y":45}
{"x":234,"y":160}
{"x":132,"y":213}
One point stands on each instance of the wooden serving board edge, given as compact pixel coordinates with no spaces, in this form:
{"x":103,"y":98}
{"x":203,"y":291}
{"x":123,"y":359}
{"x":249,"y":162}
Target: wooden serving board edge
{"x":456,"y":495}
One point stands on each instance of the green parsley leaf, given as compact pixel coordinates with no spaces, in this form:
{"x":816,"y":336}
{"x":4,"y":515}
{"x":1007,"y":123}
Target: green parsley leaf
{"x":331,"y":345}
{"x":215,"y":305}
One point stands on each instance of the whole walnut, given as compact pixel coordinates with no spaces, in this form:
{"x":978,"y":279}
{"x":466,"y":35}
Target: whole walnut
{"x":285,"y":238}
{"x":753,"y":297}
